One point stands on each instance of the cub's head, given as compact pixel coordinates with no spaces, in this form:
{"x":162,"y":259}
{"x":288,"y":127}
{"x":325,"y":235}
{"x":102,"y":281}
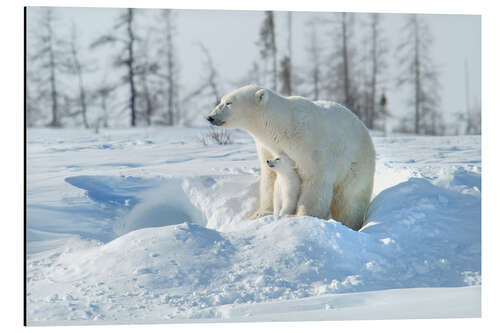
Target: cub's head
{"x":239,"y":108}
{"x":281,"y":164}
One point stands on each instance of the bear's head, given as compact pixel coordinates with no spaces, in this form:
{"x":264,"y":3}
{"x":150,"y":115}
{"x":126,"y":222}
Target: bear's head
{"x":282,"y":164}
{"x":239,"y":108}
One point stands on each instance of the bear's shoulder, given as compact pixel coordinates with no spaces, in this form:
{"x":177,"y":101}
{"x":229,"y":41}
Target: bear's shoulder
{"x":331,"y":106}
{"x":301,"y":101}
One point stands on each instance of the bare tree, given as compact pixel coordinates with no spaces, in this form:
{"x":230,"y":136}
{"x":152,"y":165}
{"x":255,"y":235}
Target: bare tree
{"x":169,"y":68}
{"x":208,"y":89}
{"x":103,"y":94}
{"x":147,"y":75}
{"x":475,"y":118}
{"x":376,"y":59}
{"x":252,"y":76}
{"x":419,"y":72}
{"x":125,"y":56}
{"x":47,"y":56}
{"x":75,"y":66}
{"x":469,"y":121}
{"x":467,"y":104}
{"x":267,"y":43}
{"x":286,"y":76}
{"x":315,"y":56}
{"x":286,"y":62}
{"x":342,"y":62}
{"x":345,"y":63}
{"x":212,"y":75}
{"x":34,"y":112}
{"x":472,"y":114}
{"x":383,"y":113}
{"x":128,"y":19}
{"x":209,"y":86}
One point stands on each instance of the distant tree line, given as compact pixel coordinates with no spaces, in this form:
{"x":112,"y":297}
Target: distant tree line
{"x":148,"y":76}
{"x":347,"y":61}
{"x":353,"y":70}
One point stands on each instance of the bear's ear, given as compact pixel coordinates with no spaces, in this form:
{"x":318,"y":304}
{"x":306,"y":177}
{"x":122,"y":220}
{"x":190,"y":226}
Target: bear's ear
{"x":261,"y":96}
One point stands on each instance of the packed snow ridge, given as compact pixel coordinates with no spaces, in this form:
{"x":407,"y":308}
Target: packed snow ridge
{"x":150,"y":225}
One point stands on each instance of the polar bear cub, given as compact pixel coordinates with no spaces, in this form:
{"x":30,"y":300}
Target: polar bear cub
{"x":287,"y":185}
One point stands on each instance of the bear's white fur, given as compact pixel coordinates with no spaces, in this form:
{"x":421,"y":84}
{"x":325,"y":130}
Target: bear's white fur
{"x":286,"y":186}
{"x":331,"y":147}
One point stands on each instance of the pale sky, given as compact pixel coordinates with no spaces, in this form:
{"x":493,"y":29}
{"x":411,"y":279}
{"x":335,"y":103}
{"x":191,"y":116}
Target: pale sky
{"x":230,"y":36}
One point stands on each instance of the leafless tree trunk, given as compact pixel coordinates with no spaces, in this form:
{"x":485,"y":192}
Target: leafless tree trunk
{"x":285,"y":76}
{"x":147,"y":97}
{"x":53,"y":85}
{"x":378,"y":51}
{"x":383,"y":112}
{"x":146,"y":70}
{"x":50,"y":41}
{"x":149,"y":102}
{"x":267,"y":43}
{"x":285,"y":73}
{"x":274,"y":50}
{"x":471,"y":115}
{"x":47,"y":60}
{"x":130,"y":62}
{"x":287,"y":79}
{"x":315,"y":59}
{"x":468,"y":128}
{"x":125,"y":56}
{"x":418,"y":70}
{"x":169,"y":75}
{"x":77,"y":68}
{"x":211,"y":79}
{"x":417,"y":87}
{"x":209,"y":87}
{"x":103,"y":94}
{"x":342,"y":63}
{"x":33,"y":110}
{"x":170,"y":70}
{"x":345,"y":62}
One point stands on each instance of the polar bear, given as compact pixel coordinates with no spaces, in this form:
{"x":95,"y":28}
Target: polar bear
{"x":331,"y":147}
{"x":286,"y":186}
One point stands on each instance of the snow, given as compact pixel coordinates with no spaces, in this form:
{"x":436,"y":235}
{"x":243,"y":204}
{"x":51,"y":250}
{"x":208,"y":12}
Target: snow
{"x":149,"y":225}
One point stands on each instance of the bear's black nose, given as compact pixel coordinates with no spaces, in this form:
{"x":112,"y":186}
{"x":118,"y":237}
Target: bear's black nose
{"x":210,"y":119}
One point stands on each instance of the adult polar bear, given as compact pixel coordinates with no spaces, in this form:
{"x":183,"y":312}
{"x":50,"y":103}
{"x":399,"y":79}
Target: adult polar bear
{"x":332,"y":148}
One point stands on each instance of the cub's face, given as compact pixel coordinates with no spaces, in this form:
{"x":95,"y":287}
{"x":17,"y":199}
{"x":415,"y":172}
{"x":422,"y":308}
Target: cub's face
{"x":238,"y":108}
{"x":281,"y":164}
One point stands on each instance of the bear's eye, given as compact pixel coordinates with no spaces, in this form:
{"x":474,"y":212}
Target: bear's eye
{"x":278,"y":159}
{"x":228,"y":104}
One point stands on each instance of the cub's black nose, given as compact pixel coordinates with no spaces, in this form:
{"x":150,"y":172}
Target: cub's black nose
{"x":210,"y":119}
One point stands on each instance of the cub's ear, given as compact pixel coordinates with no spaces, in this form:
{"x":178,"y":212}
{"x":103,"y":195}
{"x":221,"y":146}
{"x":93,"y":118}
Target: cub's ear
{"x":261,"y":96}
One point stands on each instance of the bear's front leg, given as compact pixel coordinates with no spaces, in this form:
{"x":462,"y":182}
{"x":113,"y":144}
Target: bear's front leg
{"x":266,"y":185}
{"x":315,"y":197}
{"x":289,"y":204}
{"x":276,"y":199}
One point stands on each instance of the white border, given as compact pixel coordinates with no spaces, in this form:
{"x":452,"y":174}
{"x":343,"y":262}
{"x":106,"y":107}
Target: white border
{"x":12,"y":162}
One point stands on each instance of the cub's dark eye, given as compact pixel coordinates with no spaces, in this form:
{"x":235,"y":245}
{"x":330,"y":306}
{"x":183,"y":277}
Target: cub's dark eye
{"x":278,"y":159}
{"x":229,"y":103}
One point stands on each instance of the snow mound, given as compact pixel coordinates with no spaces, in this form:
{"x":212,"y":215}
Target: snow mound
{"x":417,"y":235}
{"x":166,"y":204}
{"x":115,"y":242}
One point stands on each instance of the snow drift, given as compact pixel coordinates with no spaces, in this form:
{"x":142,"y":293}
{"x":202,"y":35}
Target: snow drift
{"x":147,"y":248}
